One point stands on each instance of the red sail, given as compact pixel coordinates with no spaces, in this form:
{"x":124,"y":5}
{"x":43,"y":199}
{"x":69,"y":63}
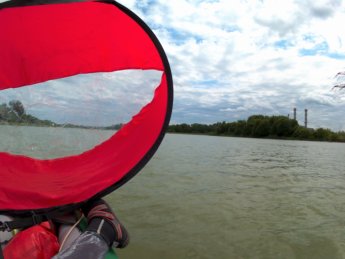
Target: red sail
{"x":52,"y":41}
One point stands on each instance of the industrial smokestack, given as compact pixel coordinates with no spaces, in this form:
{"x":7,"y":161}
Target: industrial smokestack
{"x":294,"y":113}
{"x":306,"y":118}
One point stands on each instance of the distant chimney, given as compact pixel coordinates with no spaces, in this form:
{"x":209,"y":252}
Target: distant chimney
{"x":306,"y":118}
{"x":294,"y":113}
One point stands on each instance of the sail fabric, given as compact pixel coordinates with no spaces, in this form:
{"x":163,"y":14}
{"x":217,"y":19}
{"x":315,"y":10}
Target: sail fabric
{"x":40,"y":43}
{"x":51,"y":41}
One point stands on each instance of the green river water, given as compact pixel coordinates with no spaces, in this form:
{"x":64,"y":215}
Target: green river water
{"x":219,"y":197}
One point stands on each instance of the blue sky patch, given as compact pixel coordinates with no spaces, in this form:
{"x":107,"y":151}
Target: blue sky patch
{"x":181,"y":37}
{"x":309,"y":38}
{"x":231,"y":28}
{"x":206,"y":83}
{"x":336,"y":55}
{"x":145,"y":6}
{"x":318,"y":49}
{"x":283,"y":44}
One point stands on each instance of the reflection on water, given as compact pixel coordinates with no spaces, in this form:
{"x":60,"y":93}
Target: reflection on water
{"x":215,"y":197}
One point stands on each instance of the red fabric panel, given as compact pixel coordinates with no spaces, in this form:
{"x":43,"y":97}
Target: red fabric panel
{"x":39,"y":43}
{"x":37,"y":242}
{"x":53,"y":41}
{"x":30,"y":183}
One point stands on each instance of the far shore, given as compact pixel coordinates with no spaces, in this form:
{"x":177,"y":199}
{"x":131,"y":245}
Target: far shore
{"x":268,"y":138}
{"x":55,"y":125}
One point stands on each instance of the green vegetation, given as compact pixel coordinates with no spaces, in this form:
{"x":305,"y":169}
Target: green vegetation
{"x":14,"y":113}
{"x":112,"y":127}
{"x":260,"y":126}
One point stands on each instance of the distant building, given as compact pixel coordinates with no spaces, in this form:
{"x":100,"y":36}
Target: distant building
{"x":305,"y":116}
{"x":294,"y":113}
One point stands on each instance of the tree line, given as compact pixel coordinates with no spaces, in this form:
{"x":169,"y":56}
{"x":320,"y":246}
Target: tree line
{"x":260,"y":126}
{"x":14,"y":112}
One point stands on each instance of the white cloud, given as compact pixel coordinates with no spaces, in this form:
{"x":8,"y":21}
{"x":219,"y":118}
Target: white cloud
{"x":97,"y":99}
{"x":235,"y":58}
{"x":251,"y":56}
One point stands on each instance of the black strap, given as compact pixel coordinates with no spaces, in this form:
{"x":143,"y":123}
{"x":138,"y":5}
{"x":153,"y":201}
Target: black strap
{"x":1,"y":253}
{"x":23,"y":222}
{"x":19,"y":224}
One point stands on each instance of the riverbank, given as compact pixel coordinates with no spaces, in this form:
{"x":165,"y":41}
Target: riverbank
{"x":56,"y":125}
{"x":259,"y":126}
{"x":14,"y":114}
{"x":268,"y":138}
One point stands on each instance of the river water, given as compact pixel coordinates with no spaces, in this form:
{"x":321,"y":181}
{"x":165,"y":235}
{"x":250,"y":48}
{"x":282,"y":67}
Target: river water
{"x":222,"y":197}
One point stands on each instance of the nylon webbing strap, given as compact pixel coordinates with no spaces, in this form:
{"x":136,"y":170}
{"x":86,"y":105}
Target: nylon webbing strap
{"x":19,"y":224}
{"x":22,"y":222}
{"x":1,"y":253}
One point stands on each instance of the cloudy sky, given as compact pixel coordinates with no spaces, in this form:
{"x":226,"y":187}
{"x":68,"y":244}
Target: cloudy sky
{"x":95,"y":99}
{"x":233,"y":59}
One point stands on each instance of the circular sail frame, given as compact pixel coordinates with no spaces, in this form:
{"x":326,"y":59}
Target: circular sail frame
{"x":32,"y":52}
